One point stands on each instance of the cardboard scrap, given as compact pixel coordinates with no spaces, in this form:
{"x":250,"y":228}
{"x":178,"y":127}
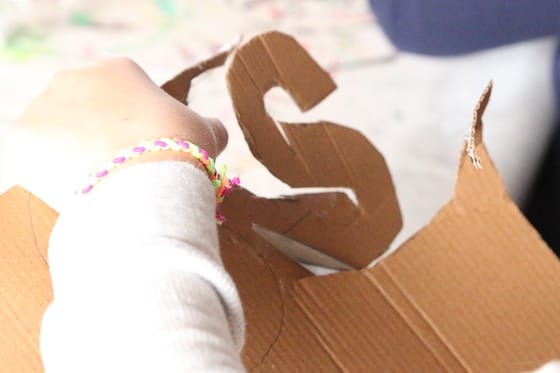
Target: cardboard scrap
{"x":475,"y":290}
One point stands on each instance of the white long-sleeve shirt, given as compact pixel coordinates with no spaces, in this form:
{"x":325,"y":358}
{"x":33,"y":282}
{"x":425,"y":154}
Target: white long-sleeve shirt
{"x":138,"y":282}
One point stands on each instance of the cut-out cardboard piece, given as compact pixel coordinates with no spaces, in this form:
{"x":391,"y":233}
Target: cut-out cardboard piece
{"x":319,"y":154}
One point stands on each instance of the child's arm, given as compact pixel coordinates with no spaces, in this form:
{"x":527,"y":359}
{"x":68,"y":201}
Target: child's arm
{"x":137,"y":277}
{"x":138,"y":281}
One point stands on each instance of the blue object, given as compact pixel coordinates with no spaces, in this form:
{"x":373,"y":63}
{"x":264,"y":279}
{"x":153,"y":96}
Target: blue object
{"x":452,"y":27}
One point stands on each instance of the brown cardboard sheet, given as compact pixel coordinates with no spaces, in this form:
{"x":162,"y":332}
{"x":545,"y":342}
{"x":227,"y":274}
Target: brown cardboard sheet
{"x":25,"y":286}
{"x":475,"y":290}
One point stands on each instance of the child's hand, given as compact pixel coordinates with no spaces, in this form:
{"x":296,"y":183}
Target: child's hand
{"x":85,"y":117}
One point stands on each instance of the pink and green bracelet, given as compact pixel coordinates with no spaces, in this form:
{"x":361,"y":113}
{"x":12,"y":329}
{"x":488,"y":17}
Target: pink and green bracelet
{"x":221,"y":183}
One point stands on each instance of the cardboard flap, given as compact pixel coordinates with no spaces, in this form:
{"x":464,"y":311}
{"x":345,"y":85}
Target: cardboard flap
{"x":488,"y":278}
{"x":320,"y":154}
{"x":475,"y":290}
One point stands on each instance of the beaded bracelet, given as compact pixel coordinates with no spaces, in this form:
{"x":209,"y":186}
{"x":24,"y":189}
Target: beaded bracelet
{"x":220,"y":182}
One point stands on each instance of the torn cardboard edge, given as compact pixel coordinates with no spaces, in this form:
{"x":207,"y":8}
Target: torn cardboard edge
{"x":474,"y":290}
